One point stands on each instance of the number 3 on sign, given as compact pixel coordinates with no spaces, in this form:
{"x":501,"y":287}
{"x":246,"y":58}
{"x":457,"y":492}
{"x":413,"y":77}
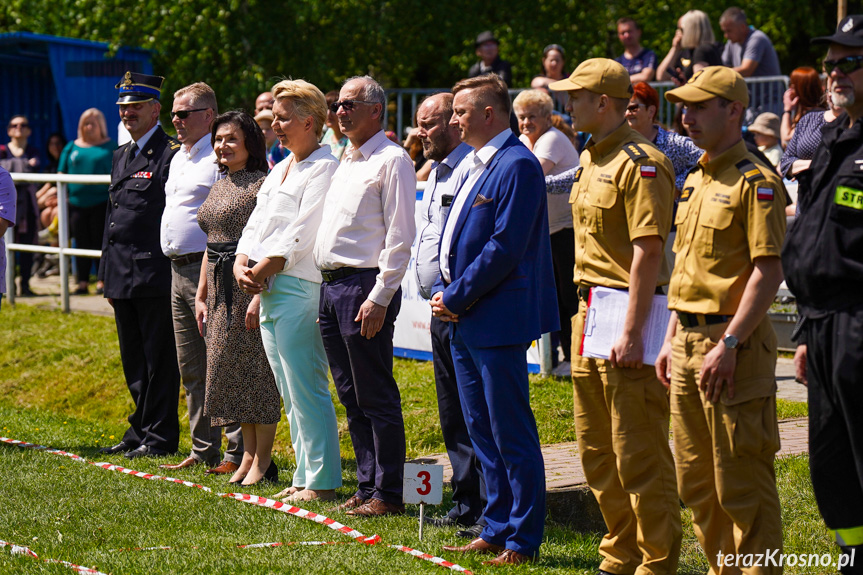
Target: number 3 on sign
{"x":423,"y":484}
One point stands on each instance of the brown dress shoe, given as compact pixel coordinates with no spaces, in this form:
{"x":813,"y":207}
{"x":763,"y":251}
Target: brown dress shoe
{"x":188,"y":462}
{"x":352,"y":503}
{"x":223,"y":468}
{"x":377,"y":508}
{"x":478,"y":545}
{"x":510,"y":557}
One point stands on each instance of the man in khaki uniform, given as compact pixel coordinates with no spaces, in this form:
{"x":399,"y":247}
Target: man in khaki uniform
{"x":621,"y":207}
{"x":720,"y":350}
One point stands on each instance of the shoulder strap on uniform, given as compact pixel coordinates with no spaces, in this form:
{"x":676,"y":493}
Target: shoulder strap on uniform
{"x":635,"y":152}
{"x":750,"y":171}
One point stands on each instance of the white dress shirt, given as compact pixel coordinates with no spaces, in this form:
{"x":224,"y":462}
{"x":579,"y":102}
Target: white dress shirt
{"x":445,"y":179}
{"x":286,"y":219}
{"x":142,"y":141}
{"x":368,"y":217}
{"x":478,"y":160}
{"x":192,"y":173}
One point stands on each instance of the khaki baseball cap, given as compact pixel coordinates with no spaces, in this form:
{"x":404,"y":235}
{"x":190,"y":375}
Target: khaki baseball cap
{"x":711,"y":82}
{"x":600,"y":76}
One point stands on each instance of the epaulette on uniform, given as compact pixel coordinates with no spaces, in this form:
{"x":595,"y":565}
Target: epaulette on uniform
{"x":750,"y":171}
{"x":635,"y":152}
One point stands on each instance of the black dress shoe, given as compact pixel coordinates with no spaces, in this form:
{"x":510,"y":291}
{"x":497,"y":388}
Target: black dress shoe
{"x":445,"y":521}
{"x":272,"y":473}
{"x":471,"y":532}
{"x":145,"y":451}
{"x":119,"y":448}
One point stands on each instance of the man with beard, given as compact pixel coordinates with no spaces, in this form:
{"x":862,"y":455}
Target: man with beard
{"x":442,"y":145}
{"x":823,"y":262}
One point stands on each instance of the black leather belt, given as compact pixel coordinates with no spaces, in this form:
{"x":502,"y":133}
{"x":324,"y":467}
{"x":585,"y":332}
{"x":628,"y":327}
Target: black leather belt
{"x":339,"y":273}
{"x":187,"y":259}
{"x":697,"y":319}
{"x":584,"y":292}
{"x":222,"y":255}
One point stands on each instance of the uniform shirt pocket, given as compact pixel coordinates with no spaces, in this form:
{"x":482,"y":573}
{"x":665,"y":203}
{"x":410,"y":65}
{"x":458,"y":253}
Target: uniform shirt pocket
{"x":714,"y":223}
{"x":601,"y":201}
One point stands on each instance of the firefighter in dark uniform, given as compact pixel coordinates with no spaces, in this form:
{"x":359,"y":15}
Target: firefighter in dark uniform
{"x":137,"y":275}
{"x":720,"y":350}
{"x":823,"y":262}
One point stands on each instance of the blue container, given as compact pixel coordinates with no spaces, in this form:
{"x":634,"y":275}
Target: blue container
{"x":52,"y":80}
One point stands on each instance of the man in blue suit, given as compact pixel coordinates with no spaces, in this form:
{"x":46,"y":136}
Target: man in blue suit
{"x":497,"y":290}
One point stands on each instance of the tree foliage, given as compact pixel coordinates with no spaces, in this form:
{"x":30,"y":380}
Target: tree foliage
{"x":241,"y":47}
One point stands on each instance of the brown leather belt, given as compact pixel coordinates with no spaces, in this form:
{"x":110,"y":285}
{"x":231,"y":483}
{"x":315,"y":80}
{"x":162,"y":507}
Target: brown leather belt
{"x":187,"y":259}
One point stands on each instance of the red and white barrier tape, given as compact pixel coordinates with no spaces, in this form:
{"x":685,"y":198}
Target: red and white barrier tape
{"x":21,"y":550}
{"x":246,"y":498}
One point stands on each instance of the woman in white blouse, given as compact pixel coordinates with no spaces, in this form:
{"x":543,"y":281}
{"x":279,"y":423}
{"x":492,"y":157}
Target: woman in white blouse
{"x":274,"y":258}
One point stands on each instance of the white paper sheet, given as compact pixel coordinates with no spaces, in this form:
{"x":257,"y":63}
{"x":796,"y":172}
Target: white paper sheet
{"x":605,"y":319}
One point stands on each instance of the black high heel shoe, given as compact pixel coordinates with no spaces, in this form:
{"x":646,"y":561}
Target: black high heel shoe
{"x":272,"y":473}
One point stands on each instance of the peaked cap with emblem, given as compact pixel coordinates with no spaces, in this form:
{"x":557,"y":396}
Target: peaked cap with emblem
{"x":849,"y":32}
{"x":135,"y":87}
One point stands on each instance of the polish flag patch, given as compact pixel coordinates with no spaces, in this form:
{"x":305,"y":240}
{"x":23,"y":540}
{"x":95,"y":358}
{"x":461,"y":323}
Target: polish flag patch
{"x":648,"y":171}
{"x":764,"y":193}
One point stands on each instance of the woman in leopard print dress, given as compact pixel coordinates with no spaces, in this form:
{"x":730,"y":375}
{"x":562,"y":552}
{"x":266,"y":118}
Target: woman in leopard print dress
{"x":240,"y":384}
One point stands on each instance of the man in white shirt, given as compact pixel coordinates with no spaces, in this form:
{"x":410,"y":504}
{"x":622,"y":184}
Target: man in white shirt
{"x":193,"y":172}
{"x":363,"y":248}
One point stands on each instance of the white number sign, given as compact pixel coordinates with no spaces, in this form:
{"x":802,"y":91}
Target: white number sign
{"x":423,"y":484}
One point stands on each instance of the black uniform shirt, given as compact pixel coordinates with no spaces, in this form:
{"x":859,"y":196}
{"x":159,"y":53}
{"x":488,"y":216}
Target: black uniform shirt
{"x":823,"y":253}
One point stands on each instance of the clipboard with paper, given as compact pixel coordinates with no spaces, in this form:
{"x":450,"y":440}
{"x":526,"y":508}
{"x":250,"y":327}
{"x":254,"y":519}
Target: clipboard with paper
{"x":606,"y":314}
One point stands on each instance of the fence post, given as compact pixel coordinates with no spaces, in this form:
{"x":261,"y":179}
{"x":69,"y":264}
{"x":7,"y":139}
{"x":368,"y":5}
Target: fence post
{"x":63,"y":232}
{"x":10,"y":265}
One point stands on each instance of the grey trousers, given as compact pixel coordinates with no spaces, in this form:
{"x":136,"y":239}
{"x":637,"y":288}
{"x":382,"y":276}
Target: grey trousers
{"x":192,"y":358}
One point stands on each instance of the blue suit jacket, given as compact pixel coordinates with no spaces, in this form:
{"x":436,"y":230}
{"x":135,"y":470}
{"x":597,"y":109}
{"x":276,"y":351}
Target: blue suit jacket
{"x":500,"y":262}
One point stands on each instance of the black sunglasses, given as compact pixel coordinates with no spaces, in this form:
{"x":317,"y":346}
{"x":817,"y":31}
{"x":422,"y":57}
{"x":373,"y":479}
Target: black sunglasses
{"x":348,"y":105}
{"x":183,"y":114}
{"x":633,"y":108}
{"x":845,"y":65}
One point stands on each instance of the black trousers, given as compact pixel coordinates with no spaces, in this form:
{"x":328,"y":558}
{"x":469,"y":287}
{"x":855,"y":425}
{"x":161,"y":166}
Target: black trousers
{"x":87,"y":225}
{"x":835,"y":374}
{"x":145,"y":329}
{"x":363,"y":375}
{"x":563,"y":261}
{"x":468,"y":485}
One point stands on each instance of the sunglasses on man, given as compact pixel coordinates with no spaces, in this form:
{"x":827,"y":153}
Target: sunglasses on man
{"x":845,"y":65}
{"x":183,"y":114}
{"x":348,"y":105}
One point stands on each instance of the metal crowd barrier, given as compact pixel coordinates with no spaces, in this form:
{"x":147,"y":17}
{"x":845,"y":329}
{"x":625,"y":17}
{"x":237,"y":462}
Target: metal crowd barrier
{"x":765,"y":95}
{"x":63,"y":231}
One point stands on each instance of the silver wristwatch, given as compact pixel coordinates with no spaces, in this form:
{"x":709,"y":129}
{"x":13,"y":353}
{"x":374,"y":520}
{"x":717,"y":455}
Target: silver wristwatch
{"x":730,"y":341}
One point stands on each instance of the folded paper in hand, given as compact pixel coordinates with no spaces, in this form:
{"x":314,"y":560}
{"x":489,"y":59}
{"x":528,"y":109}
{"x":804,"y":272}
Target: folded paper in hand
{"x":606,"y":314}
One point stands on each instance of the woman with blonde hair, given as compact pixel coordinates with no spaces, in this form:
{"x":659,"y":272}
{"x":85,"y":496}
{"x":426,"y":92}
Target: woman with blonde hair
{"x":89,"y":153}
{"x":692,"y":48}
{"x":274,"y":259}
{"x":556,"y":154}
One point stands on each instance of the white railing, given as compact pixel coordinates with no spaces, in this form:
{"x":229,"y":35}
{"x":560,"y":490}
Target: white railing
{"x":64,"y":251}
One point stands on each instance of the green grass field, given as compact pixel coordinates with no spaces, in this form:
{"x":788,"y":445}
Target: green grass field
{"x":62,"y":386}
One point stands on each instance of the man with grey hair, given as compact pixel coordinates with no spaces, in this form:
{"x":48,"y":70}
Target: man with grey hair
{"x":193,"y":172}
{"x":748,"y":51}
{"x":363,"y":248}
